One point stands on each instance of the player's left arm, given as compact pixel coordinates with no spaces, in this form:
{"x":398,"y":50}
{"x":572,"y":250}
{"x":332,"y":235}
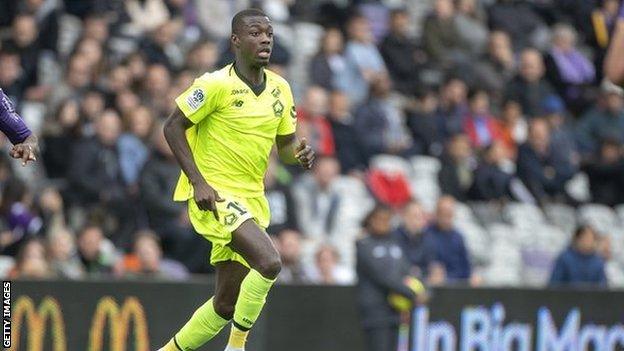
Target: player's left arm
{"x":614,"y":60}
{"x":293,"y":151}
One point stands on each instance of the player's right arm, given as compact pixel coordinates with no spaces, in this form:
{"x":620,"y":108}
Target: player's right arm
{"x":175,"y":132}
{"x":614,"y":61}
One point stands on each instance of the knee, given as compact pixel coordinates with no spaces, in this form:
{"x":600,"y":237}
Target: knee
{"x":225,"y":309}
{"x":270,"y":266}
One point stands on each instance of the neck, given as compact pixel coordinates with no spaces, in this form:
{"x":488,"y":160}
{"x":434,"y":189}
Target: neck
{"x":254,"y":75}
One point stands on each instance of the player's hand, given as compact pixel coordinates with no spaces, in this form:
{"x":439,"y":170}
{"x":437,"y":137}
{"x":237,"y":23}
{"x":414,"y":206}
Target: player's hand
{"x":206,"y":198}
{"x":304,"y":154}
{"x":27,"y":151}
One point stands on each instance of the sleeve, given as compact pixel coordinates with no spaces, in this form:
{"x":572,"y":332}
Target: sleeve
{"x":288,"y":124}
{"x":201,"y":99}
{"x":376,"y":269}
{"x":10,"y":122}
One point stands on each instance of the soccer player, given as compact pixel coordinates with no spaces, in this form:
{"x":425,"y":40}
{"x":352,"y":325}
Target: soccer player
{"x":24,"y":142}
{"x":614,"y":61}
{"x":221,"y":134}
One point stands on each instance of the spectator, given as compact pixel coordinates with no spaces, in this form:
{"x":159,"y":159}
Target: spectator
{"x":31,"y":262}
{"x":63,"y":256}
{"x":146,"y":260}
{"x":289,"y":248}
{"x":47,"y":16}
{"x":12,"y":78}
{"x":441,"y":37}
{"x":569,"y":71}
{"x":363,"y":59}
{"x":456,"y":174}
{"x":543,"y":170}
{"x":422,"y":121}
{"x":514,"y":126}
{"x":327,"y":270}
{"x":156,"y":85}
{"x":381,"y":269}
{"x":411,"y":237}
{"x":133,"y":145}
{"x":605,"y":120}
{"x":471,"y":25}
{"x":530,"y":86}
{"x":606,"y":174}
{"x":518,"y":19}
{"x":328,"y":68}
{"x":348,"y":149}
{"x":452,"y":108}
{"x":146,"y":15}
{"x":60,"y":137}
{"x":480,"y":126}
{"x":97,"y":254}
{"x":381,"y":125}
{"x":202,"y":58}
{"x":402,"y":54}
{"x":77,"y":80}
{"x":16,"y":213}
{"x":161,"y":47}
{"x":316,"y":199}
{"x":498,"y":66}
{"x":580,"y":263}
{"x":448,"y":242}
{"x":23,"y":41}
{"x":562,"y":135}
{"x":313,"y":121}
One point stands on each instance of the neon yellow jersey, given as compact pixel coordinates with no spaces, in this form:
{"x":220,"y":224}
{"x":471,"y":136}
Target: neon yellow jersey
{"x":234,"y":130}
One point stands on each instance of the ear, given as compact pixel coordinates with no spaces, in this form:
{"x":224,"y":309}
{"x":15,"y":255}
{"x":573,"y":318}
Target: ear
{"x":235,"y":40}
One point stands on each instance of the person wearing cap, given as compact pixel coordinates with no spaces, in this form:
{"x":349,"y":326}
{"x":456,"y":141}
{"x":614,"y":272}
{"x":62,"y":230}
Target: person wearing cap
{"x":25,"y":146}
{"x":605,"y":120}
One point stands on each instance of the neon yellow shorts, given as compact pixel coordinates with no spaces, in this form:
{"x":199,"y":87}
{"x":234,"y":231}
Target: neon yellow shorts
{"x":232,"y":213}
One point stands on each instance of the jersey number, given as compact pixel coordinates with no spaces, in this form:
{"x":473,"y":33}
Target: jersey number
{"x":237,"y":207}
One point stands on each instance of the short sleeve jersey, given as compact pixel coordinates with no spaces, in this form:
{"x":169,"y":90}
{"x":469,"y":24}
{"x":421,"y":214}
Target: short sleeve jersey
{"x":234,"y":130}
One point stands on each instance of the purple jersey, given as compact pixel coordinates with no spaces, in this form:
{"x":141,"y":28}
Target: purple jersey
{"x":10,"y":122}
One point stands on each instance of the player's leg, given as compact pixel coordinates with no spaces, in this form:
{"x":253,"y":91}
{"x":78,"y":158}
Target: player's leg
{"x":213,"y":315}
{"x":255,"y":246}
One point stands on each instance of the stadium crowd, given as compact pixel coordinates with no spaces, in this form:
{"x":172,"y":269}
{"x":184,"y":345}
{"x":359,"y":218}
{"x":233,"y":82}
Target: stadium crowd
{"x":498,"y":103}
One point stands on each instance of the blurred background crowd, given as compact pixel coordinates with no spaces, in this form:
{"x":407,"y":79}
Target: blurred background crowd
{"x":464,"y":141}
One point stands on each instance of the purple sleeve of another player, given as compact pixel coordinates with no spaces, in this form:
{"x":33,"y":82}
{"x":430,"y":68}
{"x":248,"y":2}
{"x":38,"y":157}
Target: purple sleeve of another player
{"x":10,"y":122}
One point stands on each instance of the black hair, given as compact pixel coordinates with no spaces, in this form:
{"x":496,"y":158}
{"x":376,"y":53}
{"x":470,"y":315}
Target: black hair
{"x":580,"y":230}
{"x":379,"y":207}
{"x":238,"y":19}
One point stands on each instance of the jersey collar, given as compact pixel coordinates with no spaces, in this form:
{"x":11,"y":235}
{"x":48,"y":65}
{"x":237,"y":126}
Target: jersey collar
{"x":257,"y":89}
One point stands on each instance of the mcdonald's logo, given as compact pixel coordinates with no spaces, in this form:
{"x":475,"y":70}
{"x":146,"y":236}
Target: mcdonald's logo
{"x":119,"y":320}
{"x":36,"y":320}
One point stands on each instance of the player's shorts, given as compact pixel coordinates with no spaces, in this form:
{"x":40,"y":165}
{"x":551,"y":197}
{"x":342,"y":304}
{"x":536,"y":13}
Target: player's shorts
{"x":232,"y":213}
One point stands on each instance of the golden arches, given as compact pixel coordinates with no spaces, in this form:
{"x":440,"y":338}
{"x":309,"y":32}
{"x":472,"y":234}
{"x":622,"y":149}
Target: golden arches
{"x":119,"y":321}
{"x":36,"y":319}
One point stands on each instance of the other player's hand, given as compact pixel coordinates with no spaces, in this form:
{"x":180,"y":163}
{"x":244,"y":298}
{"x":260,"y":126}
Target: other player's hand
{"x":206,"y":198}
{"x":304,"y":154}
{"x":26,"y":151}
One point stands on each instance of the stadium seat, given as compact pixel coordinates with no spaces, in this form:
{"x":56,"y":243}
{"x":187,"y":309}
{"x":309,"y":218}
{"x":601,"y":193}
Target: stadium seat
{"x":601,"y":217}
{"x":391,"y":164}
{"x":487,"y":212}
{"x":523,"y":215}
{"x":563,"y":216}
{"x":578,"y":187}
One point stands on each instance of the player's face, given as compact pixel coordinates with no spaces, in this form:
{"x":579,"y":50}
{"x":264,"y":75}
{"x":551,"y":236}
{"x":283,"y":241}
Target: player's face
{"x":254,"y":40}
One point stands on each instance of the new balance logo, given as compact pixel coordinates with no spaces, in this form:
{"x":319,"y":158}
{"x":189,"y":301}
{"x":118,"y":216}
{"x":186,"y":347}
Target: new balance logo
{"x":239,"y":91}
{"x":247,"y":321}
{"x":238,"y":103}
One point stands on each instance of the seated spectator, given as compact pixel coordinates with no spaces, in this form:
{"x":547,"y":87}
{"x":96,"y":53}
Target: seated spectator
{"x":606,"y":174}
{"x":605,"y":120}
{"x":498,"y":66}
{"x":12,"y":79}
{"x":363,"y":59}
{"x":133,"y":144}
{"x":15,"y":211}
{"x":569,"y":71}
{"x":327,"y":270}
{"x":561,"y":134}
{"x":514,"y":127}
{"x":458,"y":164}
{"x":23,"y":41}
{"x":422,"y":121}
{"x":411,"y":237}
{"x":481,"y":127}
{"x":279,"y":196}
{"x":382,"y":269}
{"x":471,"y":25}
{"x":381,"y":125}
{"x":313,"y":121}
{"x":530,"y":86}
{"x":156,"y":85}
{"x":146,"y":260}
{"x":202,"y":57}
{"x":31,"y":262}
{"x":63,"y":256}
{"x":517,"y":18}
{"x":146,"y":15}
{"x":78,"y":77}
{"x":452,"y":108}
{"x":448,"y":242}
{"x":289,"y":248}
{"x":97,"y":254}
{"x":580,"y":263}
{"x":161,"y":47}
{"x":441,"y":37}
{"x":543,"y":170}
{"x":316,"y":199}
{"x":328,"y":68}
{"x":348,"y":149}
{"x":402,"y":54}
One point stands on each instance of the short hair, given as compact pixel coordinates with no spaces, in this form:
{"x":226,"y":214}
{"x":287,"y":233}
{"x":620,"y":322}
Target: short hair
{"x":238,"y":19}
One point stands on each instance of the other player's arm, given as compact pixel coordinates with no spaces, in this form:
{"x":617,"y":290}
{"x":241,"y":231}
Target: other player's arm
{"x":175,"y":132}
{"x":293,"y":151}
{"x":24,"y":142}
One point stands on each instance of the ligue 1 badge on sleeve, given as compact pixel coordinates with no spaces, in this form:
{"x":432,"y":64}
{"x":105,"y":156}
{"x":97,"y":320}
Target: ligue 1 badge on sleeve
{"x":196,"y":98}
